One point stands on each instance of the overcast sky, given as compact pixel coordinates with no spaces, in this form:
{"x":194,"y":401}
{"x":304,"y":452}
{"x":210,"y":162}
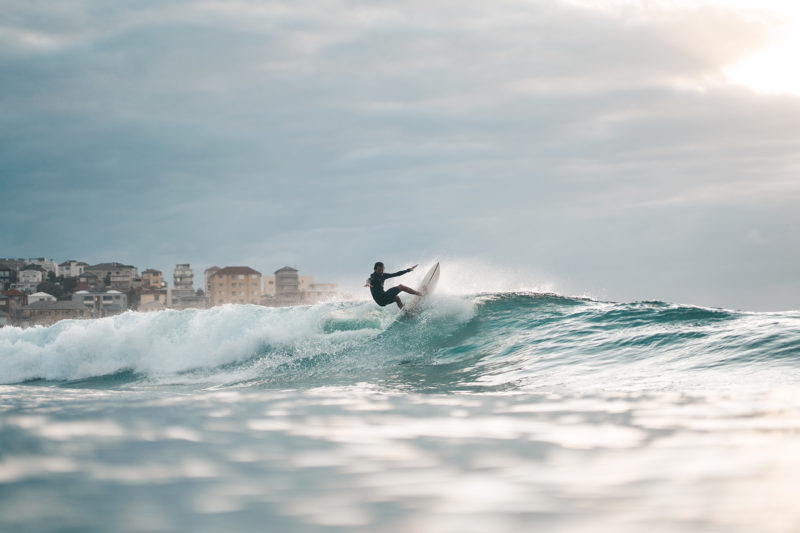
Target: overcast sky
{"x":622,"y":150}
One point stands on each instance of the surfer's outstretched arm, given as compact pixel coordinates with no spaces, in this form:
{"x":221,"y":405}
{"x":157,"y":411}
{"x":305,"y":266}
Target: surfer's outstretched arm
{"x":395,"y":274}
{"x":399,"y":273}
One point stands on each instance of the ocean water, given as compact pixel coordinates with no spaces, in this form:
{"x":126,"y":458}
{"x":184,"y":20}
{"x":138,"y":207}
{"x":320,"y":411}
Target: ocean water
{"x":502,"y":411}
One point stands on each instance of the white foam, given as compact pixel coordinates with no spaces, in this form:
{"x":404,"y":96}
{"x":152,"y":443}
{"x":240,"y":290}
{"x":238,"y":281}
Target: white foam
{"x":164,"y":342}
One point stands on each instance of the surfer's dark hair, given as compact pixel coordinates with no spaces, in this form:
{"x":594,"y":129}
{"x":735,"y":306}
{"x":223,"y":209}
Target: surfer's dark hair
{"x":378,"y":264}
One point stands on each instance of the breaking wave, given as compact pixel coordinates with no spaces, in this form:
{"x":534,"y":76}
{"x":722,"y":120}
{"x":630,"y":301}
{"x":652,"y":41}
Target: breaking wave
{"x":496,"y":341}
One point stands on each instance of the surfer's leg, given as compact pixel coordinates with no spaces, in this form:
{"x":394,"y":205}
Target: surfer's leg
{"x":399,"y":302}
{"x":409,"y":290}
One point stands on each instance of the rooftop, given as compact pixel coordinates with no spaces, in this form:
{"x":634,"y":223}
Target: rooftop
{"x":286,"y":269}
{"x":227,"y":271}
{"x":96,"y":291}
{"x":108,"y":266}
{"x":14,"y":292}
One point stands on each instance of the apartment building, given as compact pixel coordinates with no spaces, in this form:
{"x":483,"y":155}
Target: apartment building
{"x":115,"y":275}
{"x":87,"y":281}
{"x":71,"y":268}
{"x":183,"y":278}
{"x":235,"y":284}
{"x":289,"y":288}
{"x":152,"y":279}
{"x":29,"y":277}
{"x":102,"y":303}
{"x":48,"y":265}
{"x":8,"y":276}
{"x":15,"y":264}
{"x":152,"y":300}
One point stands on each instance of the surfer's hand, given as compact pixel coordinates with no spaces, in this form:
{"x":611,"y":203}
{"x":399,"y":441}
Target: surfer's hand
{"x":412,"y":268}
{"x":367,"y":285}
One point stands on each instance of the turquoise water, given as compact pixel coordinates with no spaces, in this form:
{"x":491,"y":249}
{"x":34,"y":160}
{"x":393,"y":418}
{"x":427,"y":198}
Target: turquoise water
{"x":500,"y":412}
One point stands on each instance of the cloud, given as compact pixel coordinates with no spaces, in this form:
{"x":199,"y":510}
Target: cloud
{"x":598,"y":144}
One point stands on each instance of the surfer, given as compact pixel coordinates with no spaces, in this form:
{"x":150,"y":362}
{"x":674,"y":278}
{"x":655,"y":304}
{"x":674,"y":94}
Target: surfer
{"x":381,"y":297}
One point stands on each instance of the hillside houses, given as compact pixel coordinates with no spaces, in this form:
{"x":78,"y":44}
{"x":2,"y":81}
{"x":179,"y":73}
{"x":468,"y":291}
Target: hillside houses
{"x":39,"y":291}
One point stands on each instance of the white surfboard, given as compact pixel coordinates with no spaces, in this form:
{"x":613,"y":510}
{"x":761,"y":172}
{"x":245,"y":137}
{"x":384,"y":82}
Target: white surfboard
{"x":426,"y":287}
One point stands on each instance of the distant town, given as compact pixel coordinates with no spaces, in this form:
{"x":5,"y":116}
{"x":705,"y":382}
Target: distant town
{"x":39,"y":291}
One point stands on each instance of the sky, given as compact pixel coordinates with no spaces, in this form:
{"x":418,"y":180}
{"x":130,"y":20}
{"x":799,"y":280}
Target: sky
{"x":614,"y":149}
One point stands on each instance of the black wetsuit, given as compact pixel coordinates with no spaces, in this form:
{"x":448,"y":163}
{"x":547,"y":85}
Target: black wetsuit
{"x":380,"y":296}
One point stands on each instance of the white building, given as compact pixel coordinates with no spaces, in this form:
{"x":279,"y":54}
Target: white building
{"x":47,"y":264}
{"x":102,"y":303}
{"x":183,"y":278}
{"x":29,"y":277}
{"x":71,"y":268}
{"x":40,"y":297}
